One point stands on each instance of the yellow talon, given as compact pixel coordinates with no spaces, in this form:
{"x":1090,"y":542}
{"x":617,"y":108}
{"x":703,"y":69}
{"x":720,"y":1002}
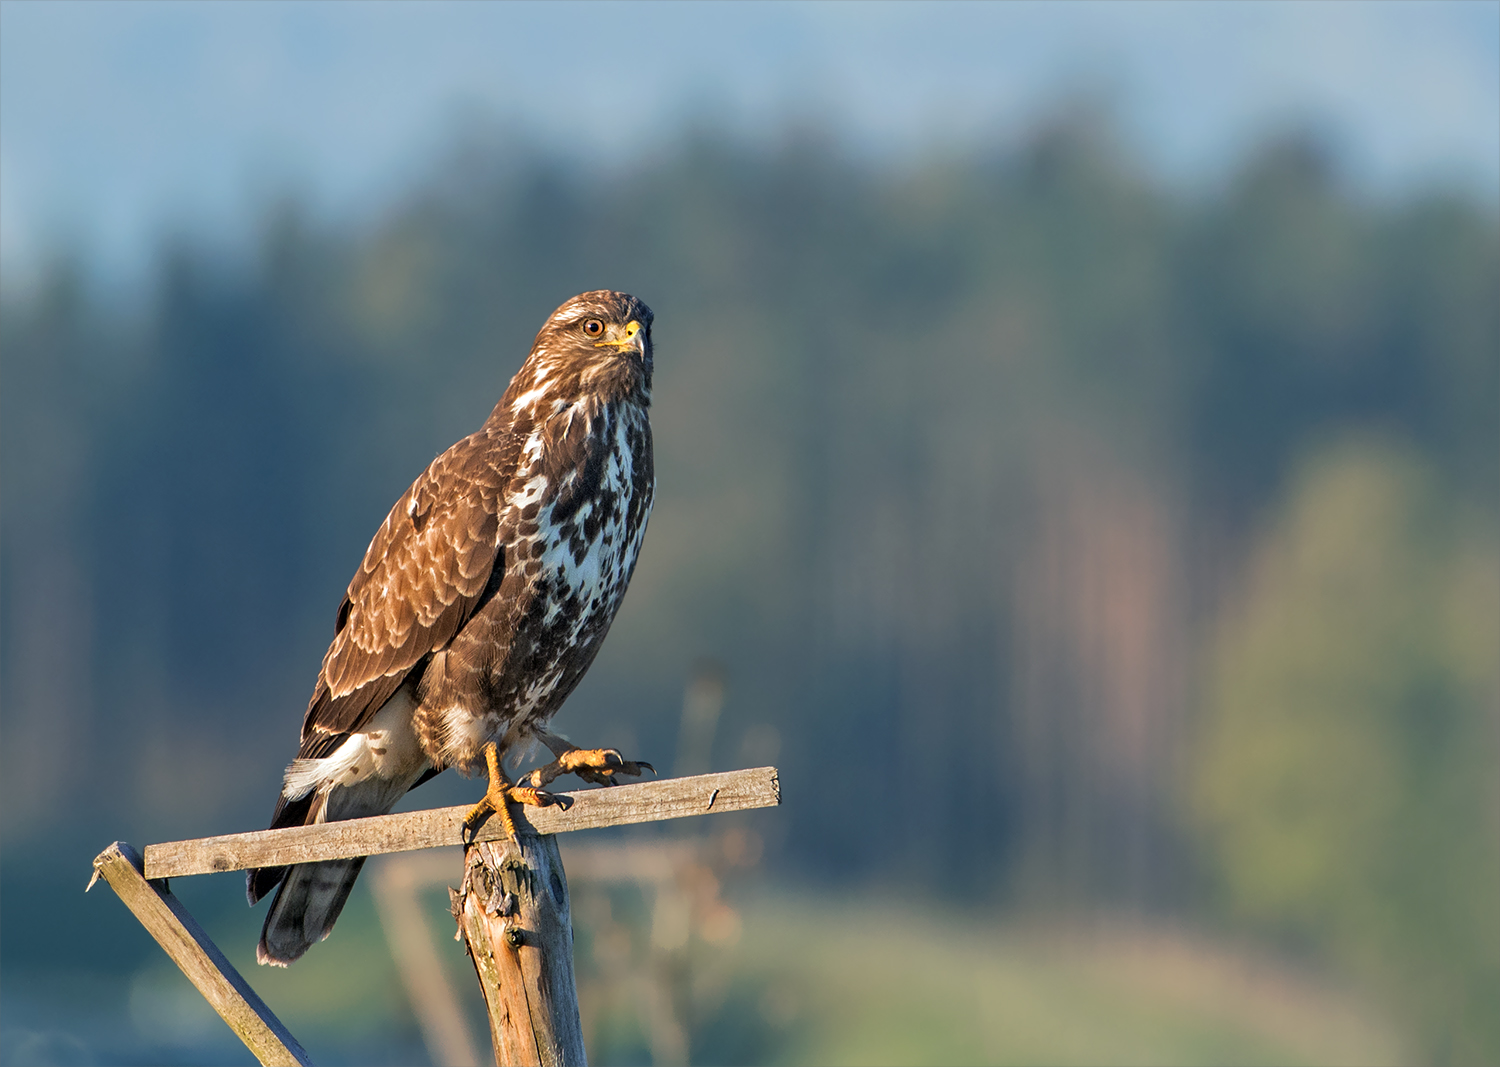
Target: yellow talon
{"x":501,"y":790}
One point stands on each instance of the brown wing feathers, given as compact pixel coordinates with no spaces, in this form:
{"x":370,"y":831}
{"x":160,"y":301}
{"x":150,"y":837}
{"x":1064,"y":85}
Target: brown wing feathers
{"x":424,"y":574}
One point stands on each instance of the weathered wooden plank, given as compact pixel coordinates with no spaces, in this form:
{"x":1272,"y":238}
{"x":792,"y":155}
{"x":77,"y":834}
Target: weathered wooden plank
{"x":674,"y":798}
{"x":514,"y":917}
{"x":164,"y":917}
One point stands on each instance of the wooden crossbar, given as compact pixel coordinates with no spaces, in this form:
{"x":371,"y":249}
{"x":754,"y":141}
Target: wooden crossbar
{"x":141,"y":882}
{"x":588,"y":809}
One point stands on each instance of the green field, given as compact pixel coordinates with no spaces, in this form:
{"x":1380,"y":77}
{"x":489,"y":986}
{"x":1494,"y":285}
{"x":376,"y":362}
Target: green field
{"x":877,"y":983}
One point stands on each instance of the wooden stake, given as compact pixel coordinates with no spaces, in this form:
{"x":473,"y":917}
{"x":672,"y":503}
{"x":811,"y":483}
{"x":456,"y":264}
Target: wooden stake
{"x":515,"y":921}
{"x":164,"y":917}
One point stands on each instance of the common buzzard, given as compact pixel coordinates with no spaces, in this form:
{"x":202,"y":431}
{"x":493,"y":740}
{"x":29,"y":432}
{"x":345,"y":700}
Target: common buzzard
{"x":481,"y":601}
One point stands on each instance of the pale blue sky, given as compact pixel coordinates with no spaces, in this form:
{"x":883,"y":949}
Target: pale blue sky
{"x":120,"y":119}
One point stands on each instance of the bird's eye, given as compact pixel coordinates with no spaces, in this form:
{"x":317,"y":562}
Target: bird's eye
{"x":593,"y":327}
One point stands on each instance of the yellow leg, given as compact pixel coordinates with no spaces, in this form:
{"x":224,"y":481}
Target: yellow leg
{"x":500,"y":790}
{"x":597,"y":765}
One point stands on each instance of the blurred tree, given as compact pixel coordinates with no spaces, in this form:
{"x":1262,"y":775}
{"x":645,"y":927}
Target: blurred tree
{"x":954,"y":464}
{"x":1310,"y":309}
{"x":49,"y":453}
{"x":1349,"y":779}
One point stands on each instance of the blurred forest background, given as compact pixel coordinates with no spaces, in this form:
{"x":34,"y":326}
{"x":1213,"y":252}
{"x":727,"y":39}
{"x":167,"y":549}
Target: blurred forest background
{"x":1086,"y":548}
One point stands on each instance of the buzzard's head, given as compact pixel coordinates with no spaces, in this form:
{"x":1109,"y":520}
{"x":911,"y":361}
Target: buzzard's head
{"x":602,"y":337}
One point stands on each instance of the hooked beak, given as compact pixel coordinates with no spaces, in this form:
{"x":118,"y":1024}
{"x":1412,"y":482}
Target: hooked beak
{"x":631,"y":335}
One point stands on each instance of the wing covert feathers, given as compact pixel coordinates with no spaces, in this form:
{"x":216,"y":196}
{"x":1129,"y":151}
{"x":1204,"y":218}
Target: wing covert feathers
{"x":422,"y":576}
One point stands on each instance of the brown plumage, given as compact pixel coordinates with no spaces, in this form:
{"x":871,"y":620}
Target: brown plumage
{"x":482,"y":599}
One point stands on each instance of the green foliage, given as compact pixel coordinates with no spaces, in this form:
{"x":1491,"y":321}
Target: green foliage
{"x":1348,"y":781}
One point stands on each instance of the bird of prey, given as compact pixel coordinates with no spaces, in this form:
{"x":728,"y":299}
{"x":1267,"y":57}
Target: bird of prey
{"x":481,"y":602}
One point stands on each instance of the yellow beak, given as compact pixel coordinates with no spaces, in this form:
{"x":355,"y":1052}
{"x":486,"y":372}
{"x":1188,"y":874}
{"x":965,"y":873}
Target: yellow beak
{"x":631,"y":335}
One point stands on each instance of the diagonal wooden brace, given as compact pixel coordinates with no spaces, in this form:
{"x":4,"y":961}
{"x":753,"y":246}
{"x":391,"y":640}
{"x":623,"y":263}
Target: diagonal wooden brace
{"x":164,"y":917}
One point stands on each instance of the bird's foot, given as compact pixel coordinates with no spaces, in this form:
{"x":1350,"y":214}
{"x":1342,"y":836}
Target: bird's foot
{"x":597,"y":765}
{"x":501,"y":790}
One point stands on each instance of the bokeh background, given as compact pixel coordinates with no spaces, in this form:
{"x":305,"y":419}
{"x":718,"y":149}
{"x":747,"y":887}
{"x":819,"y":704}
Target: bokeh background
{"x":1077,"y":441}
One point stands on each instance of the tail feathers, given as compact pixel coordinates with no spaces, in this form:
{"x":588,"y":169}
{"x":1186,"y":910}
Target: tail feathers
{"x":335,"y":777}
{"x":305,"y":909}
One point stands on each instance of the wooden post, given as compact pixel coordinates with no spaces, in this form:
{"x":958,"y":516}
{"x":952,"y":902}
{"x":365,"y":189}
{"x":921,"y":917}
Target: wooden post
{"x":513,"y":908}
{"x":513,"y":915}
